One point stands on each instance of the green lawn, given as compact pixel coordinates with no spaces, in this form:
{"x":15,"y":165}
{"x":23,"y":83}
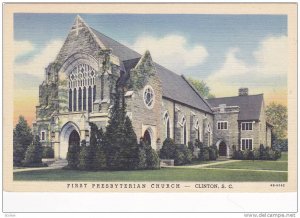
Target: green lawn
{"x":284,"y":156}
{"x":164,"y":174}
{"x":254,"y":165}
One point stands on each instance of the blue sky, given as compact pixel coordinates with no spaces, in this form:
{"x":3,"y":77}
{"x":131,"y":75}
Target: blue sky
{"x":227,"y":51}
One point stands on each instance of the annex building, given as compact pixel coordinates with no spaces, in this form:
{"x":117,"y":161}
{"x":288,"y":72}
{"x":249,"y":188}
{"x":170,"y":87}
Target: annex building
{"x":160,"y":103}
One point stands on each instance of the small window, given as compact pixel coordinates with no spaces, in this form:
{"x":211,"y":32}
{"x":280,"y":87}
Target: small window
{"x":246,"y":144}
{"x":43,"y":135}
{"x":247,"y":126}
{"x":222,"y":125}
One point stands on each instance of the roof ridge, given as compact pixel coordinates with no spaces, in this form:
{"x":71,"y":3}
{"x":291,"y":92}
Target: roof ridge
{"x":191,"y":85}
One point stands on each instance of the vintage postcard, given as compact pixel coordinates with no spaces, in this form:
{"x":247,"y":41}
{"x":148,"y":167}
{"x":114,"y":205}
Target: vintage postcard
{"x":150,"y":97}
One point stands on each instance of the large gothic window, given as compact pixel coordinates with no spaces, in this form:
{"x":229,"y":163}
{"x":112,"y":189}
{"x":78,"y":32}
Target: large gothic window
{"x":82,"y":80}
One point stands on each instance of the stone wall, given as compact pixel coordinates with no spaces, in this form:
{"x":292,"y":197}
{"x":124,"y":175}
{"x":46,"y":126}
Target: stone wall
{"x":176,"y":113}
{"x":231,"y":135}
{"x":142,"y":117}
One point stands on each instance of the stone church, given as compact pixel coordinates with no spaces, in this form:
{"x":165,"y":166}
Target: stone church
{"x":78,"y":86}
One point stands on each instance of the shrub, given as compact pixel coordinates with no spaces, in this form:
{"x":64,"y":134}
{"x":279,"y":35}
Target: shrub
{"x":73,"y":155}
{"x":238,"y":155}
{"x":152,"y":159}
{"x":33,"y":156}
{"x":168,"y":149}
{"x":99,"y":162}
{"x":262,"y":152}
{"x":48,"y":152}
{"x":191,"y":146}
{"x":204,"y":154}
{"x":213,"y":153}
{"x":277,"y":154}
{"x":256,"y":154}
{"x":198,"y":144}
{"x":84,"y":162}
{"x":245,"y":154}
{"x":179,"y":153}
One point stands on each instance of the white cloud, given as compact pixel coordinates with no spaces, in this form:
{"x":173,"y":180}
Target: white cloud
{"x":172,"y":51}
{"x":22,"y":47}
{"x":37,"y":64}
{"x":267,"y":73}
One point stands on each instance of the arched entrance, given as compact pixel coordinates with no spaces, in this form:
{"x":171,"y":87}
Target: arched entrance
{"x":147,"y":137}
{"x":69,"y":134}
{"x":222,"y":149}
{"x":74,"y":139}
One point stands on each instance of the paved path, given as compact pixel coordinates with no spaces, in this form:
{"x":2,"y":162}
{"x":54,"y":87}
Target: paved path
{"x":36,"y":168}
{"x":206,"y":165}
{"x":248,"y":170}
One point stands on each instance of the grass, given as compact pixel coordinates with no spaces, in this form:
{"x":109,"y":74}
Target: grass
{"x":284,"y":156}
{"x":254,"y":165}
{"x":164,"y":174}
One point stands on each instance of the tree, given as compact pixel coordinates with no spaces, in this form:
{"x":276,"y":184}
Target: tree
{"x":201,"y":87}
{"x":115,"y":134}
{"x":129,"y":150}
{"x":22,"y":138}
{"x":277,"y":115}
{"x":34,"y":153}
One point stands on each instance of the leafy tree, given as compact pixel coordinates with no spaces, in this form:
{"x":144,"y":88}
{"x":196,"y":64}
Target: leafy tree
{"x":201,"y":87}
{"x":22,"y":138}
{"x":33,"y":156}
{"x":278,"y":117}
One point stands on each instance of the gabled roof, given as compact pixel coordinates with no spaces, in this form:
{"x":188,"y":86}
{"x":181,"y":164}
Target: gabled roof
{"x":250,"y":105}
{"x":174,"y":86}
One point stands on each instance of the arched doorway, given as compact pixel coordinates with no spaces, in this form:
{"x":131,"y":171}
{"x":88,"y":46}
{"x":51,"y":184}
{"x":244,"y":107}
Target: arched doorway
{"x":69,"y":134}
{"x":222,"y":149}
{"x":74,"y":139}
{"x":147,"y":137}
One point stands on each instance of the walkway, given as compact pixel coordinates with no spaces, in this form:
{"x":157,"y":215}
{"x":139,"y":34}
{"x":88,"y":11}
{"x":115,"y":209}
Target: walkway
{"x":206,"y":165}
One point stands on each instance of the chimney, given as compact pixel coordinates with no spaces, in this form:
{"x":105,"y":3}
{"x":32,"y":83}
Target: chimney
{"x":243,"y":91}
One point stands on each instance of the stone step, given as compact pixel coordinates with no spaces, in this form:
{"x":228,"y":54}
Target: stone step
{"x":59,"y":163}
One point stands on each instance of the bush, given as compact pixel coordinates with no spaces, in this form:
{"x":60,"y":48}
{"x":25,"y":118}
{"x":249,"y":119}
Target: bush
{"x":245,"y":154}
{"x":238,"y":155}
{"x":179,"y":153}
{"x":73,"y":155}
{"x":256,"y":154}
{"x":48,"y":152}
{"x":84,"y":161}
{"x":99,"y":162}
{"x":167,"y":151}
{"x":204,"y":154}
{"x":152,"y":160}
{"x":213,"y":152}
{"x":277,"y":154}
{"x":191,"y":146}
{"x":33,"y":156}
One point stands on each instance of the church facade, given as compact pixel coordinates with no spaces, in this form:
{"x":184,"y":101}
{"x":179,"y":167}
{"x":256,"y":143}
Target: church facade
{"x":78,"y":86}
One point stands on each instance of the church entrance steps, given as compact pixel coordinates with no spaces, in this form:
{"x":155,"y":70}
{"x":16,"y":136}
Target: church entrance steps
{"x":60,"y":163}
